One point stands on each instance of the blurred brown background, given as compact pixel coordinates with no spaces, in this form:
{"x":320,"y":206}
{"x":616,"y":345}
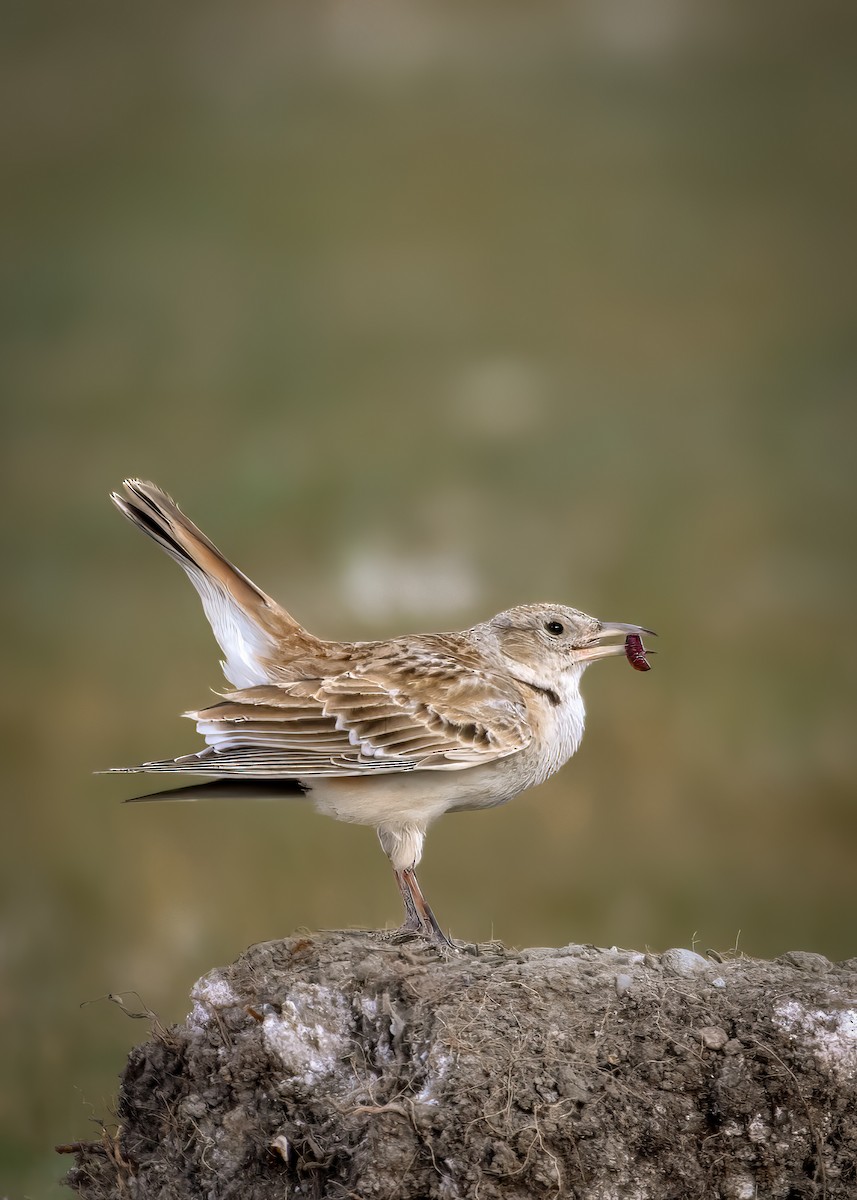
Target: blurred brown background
{"x":422,"y":311}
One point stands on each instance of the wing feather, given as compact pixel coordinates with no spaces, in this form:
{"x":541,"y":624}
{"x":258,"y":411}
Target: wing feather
{"x":358,"y":723}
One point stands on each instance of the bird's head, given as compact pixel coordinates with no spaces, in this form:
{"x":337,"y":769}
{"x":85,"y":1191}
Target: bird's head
{"x":542,"y":643}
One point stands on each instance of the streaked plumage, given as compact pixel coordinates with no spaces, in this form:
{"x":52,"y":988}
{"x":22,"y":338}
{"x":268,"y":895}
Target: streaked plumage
{"x":390,"y":733}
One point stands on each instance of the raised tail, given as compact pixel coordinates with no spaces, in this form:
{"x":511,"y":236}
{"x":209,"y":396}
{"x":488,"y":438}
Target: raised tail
{"x":250,"y":627}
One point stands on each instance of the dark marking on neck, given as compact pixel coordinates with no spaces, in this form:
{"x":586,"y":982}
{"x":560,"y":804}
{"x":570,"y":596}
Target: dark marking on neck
{"x":544,"y":691}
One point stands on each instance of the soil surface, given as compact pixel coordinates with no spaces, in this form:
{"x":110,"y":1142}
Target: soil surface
{"x":345,"y":1065}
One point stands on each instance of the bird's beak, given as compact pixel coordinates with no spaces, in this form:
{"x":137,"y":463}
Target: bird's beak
{"x":595,"y":649}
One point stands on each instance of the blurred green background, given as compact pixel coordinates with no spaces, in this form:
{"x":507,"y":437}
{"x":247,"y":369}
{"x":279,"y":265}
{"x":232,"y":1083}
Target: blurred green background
{"x":422,"y":311}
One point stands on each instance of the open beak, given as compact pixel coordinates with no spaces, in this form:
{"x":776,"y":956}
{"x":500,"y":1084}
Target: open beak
{"x":598,"y":649}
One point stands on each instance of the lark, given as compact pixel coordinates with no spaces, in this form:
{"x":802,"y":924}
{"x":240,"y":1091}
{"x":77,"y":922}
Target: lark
{"x":390,"y":734}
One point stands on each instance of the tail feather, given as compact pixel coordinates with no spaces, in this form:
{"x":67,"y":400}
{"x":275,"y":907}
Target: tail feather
{"x":228,"y":789}
{"x":158,"y":515}
{"x":248,"y":624}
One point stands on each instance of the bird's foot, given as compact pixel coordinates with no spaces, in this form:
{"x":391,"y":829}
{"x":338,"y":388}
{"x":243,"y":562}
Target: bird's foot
{"x":417,"y":932}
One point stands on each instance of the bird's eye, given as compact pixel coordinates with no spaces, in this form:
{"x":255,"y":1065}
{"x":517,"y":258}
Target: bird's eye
{"x":555,"y":627}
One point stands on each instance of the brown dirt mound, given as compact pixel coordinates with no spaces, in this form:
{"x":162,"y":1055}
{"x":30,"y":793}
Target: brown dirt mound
{"x":344,"y":1065}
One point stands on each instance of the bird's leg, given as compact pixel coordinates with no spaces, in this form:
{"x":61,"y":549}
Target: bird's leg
{"x":403,"y":846}
{"x":420,"y":907}
{"x":412,"y":924}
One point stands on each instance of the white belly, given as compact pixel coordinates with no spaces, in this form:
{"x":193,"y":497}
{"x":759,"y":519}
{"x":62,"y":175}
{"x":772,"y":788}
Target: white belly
{"x":413,"y":797}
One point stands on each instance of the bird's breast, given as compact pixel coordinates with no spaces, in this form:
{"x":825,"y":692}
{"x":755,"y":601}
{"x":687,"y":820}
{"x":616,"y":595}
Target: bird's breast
{"x":558,"y":730}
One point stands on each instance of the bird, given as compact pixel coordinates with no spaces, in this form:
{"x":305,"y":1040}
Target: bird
{"x":390,"y":734}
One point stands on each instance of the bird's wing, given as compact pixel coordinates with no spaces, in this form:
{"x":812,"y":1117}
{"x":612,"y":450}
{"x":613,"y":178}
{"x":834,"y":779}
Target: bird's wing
{"x":358,"y":724}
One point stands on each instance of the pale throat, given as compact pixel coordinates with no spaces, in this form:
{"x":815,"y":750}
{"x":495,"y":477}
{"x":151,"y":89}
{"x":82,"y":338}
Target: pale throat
{"x":564,"y":683}
{"x":571,"y":713}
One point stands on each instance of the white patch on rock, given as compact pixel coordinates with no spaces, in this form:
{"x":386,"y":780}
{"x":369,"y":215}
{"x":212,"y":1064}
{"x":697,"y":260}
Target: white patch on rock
{"x":741,"y":1187}
{"x":679,"y":961}
{"x":831,"y":1034}
{"x":438,"y":1064}
{"x":209,"y":994}
{"x":311,"y":1033}
{"x":757,"y":1130}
